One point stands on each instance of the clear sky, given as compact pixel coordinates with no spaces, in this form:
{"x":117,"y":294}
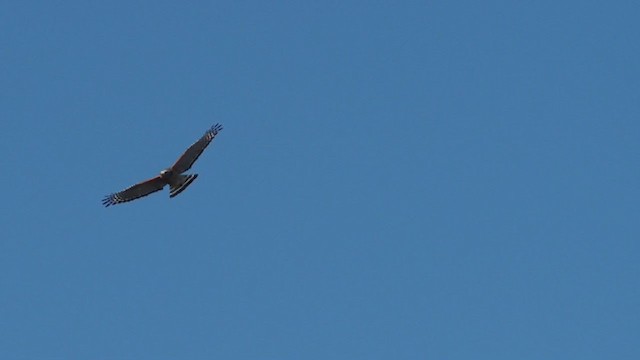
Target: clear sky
{"x":395,"y":180}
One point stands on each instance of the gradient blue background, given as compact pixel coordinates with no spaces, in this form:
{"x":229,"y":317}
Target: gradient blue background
{"x":395,"y":180}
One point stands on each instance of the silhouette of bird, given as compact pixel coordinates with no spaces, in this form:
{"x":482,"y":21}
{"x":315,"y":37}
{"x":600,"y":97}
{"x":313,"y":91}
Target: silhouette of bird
{"x":173,"y":176}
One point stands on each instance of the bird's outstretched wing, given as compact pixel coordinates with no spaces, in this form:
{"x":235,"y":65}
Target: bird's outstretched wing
{"x":134,"y":192}
{"x":190,"y":156}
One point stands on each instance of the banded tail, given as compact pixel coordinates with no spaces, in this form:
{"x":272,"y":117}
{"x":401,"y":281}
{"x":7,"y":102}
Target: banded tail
{"x":182,"y":183}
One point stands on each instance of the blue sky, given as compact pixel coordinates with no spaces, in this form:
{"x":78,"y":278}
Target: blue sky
{"x":395,"y":180}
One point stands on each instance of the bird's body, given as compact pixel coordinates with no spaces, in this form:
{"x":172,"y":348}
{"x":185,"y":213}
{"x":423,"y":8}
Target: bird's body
{"x":173,"y":176}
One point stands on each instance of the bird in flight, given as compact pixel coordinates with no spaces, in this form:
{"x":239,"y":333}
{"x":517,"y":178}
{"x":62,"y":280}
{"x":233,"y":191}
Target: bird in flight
{"x":172,"y":176}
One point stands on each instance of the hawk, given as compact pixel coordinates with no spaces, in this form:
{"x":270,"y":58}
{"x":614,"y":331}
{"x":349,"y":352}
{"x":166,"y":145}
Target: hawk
{"x":172,"y":176}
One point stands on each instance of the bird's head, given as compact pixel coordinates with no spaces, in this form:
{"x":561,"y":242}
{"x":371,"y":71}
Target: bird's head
{"x":166,"y":173}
